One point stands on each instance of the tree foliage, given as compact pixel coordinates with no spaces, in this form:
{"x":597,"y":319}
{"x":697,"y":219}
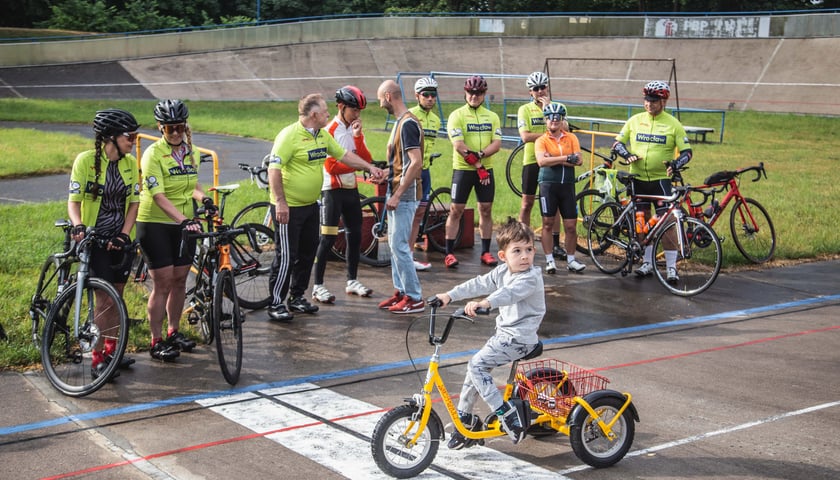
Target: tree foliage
{"x":136,"y":15}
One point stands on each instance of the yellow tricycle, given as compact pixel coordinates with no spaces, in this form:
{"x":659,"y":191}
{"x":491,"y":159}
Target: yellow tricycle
{"x":561,"y":397}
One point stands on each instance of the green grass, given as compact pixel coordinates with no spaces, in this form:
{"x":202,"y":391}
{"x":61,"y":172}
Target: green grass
{"x":797,"y":150}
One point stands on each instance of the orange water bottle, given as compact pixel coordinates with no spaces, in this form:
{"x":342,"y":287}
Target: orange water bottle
{"x":651,"y":223}
{"x":641,"y":224}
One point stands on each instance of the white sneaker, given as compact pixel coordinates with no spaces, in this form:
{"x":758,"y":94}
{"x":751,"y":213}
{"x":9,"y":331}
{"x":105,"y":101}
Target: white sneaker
{"x":672,"y":275}
{"x":645,"y":270}
{"x":355,"y":287}
{"x":422,"y":266}
{"x":321,"y":294}
{"x":550,"y":267}
{"x":575,"y":266}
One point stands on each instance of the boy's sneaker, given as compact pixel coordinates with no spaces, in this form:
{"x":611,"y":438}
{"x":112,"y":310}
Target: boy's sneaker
{"x":164,"y":351}
{"x":181,"y":342}
{"x":321,"y":294}
{"x":672,"y":275}
{"x":355,"y":287}
{"x":450,"y":261}
{"x":488,"y":259}
{"x":550,"y":267}
{"x":575,"y":266}
{"x":645,"y":270}
{"x":300,"y":305}
{"x":458,"y":441}
{"x":279,"y":313}
{"x":408,"y":305}
{"x":512,"y":424}
{"x":393,"y":300}
{"x":422,"y":266}
{"x":558,"y":252}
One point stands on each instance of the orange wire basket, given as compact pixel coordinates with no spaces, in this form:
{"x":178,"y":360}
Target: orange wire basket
{"x":550,"y":385}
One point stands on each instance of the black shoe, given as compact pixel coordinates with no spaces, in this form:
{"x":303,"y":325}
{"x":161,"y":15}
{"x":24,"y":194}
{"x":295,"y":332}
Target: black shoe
{"x":164,"y":351}
{"x":458,"y":441}
{"x":301,"y":305}
{"x":181,"y":342}
{"x":558,"y":252}
{"x":279,"y":313}
{"x":125,"y":363}
{"x":100,"y":367}
{"x":512,"y":422}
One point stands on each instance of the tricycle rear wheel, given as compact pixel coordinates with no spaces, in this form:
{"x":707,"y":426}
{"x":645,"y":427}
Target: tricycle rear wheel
{"x":589,"y":442}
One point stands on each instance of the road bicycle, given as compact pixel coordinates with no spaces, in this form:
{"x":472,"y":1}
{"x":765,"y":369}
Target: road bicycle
{"x":87,"y":314}
{"x":55,"y":275}
{"x":617,"y":238}
{"x":561,"y":397}
{"x":212,"y":301}
{"x":752,"y":230}
{"x":374,"y":219}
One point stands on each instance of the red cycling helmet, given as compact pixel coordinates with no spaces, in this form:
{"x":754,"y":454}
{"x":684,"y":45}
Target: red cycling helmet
{"x":351,"y":96}
{"x":657,"y":89}
{"x":476,"y":83}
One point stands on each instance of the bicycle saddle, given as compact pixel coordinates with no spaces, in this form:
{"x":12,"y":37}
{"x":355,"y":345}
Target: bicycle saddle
{"x":536,"y":352}
{"x":625,"y":177}
{"x":720,"y":177}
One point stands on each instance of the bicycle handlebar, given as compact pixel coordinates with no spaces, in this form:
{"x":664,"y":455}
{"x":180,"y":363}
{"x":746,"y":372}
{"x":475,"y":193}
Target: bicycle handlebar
{"x":258,"y":171}
{"x":759,"y":170}
{"x":434,"y":304}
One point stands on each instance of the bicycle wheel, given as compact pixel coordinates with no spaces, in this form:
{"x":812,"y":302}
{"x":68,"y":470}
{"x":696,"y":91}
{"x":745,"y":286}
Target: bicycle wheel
{"x":586,"y":201}
{"x":588,"y":440}
{"x":227,"y":326}
{"x":752,"y":230}
{"x":434,"y":220}
{"x":698,"y":256}
{"x":66,"y":353}
{"x":391,"y":435}
{"x":52,"y":279}
{"x":513,"y":169}
{"x":368,"y":246}
{"x":373,"y":213}
{"x":608,"y":238}
{"x":257,"y":212}
{"x":251,"y":269}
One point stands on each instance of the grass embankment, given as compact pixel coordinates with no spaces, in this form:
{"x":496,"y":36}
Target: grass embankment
{"x":797,"y":151}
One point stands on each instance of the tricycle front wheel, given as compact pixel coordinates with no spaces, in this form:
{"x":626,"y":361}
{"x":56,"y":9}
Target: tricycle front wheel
{"x":391,"y":435}
{"x":589,"y":442}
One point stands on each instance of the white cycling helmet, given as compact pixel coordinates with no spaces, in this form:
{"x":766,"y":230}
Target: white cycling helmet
{"x":425,"y":83}
{"x":536,"y":79}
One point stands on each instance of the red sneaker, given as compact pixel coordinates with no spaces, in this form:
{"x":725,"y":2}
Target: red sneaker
{"x":450,"y":261}
{"x":387,"y":304}
{"x":408,"y":305}
{"x":487,"y":258}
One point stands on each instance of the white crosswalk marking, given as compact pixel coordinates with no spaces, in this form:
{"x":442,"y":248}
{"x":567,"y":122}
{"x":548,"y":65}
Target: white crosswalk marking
{"x":344,"y":452}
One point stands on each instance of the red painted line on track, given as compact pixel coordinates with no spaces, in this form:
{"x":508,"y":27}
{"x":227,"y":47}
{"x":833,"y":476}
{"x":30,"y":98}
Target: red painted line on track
{"x":357,"y":415}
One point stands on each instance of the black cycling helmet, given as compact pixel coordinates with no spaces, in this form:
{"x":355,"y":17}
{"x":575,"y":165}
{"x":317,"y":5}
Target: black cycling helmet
{"x":114,"y":121}
{"x":171,"y":111}
{"x":351,"y":96}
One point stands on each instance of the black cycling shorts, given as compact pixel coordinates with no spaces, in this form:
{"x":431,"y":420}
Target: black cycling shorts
{"x":530,"y":174}
{"x":463,"y":181}
{"x":656,"y":187}
{"x":558,"y":196}
{"x":112,"y":266}
{"x":161,"y":243}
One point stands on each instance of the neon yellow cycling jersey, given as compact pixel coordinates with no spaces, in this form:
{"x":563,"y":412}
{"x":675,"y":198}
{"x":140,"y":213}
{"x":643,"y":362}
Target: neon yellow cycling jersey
{"x":655,"y":140}
{"x":430,"y":123}
{"x":163,"y":174}
{"x":83,"y":183}
{"x":530,"y":119}
{"x":477,"y":128}
{"x":300,"y":156}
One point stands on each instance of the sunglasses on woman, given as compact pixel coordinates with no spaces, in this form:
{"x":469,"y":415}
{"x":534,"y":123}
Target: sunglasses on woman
{"x":179,"y":128}
{"x":131,"y":136}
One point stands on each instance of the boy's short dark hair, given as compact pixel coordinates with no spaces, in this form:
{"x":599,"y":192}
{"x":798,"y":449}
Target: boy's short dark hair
{"x":513,"y":231}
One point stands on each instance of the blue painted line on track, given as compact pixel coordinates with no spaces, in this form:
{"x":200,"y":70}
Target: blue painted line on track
{"x":395,"y":365}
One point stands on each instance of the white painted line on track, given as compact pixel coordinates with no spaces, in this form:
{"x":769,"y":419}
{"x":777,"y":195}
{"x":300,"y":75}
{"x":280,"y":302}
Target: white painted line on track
{"x":342,"y":451}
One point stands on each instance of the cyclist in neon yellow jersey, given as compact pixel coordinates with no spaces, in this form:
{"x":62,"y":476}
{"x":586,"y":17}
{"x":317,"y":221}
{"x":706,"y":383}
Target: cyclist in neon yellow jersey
{"x":425,"y":91}
{"x":476,"y":136}
{"x":655,"y":137}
